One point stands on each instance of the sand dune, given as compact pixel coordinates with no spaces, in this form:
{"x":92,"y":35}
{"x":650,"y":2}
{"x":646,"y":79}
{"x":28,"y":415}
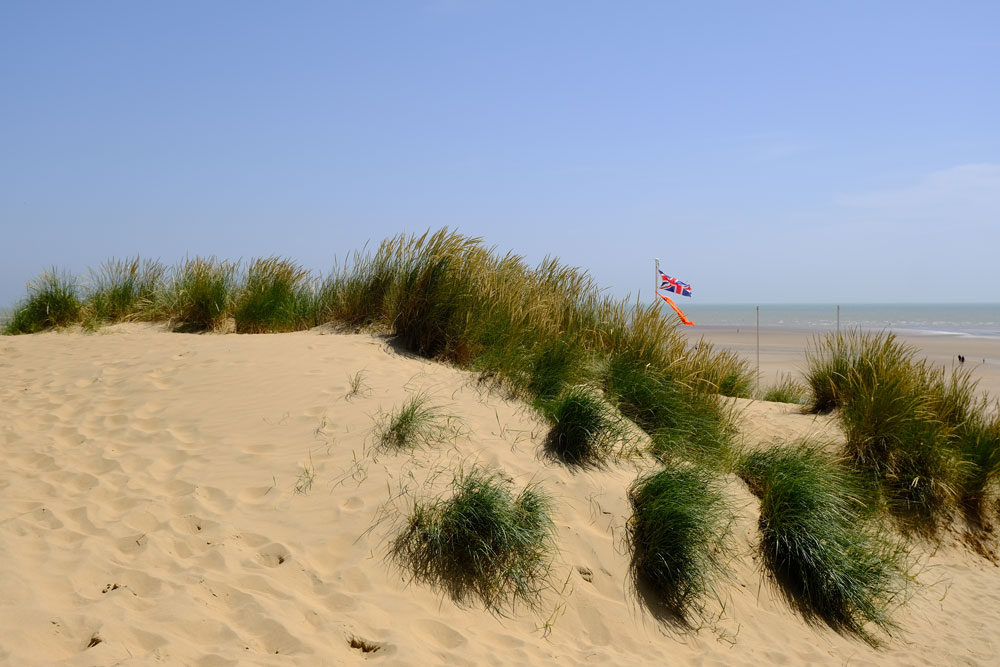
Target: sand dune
{"x":177,"y":499}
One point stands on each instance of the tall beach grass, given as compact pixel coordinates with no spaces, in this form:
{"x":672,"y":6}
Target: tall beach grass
{"x":786,"y":390}
{"x":125,"y":289}
{"x":825,"y":547}
{"x":586,"y":429}
{"x":483,"y":541}
{"x":53,"y":300}
{"x":200,"y":294}
{"x":680,"y":536}
{"x":275,"y":295}
{"x":918,"y":430}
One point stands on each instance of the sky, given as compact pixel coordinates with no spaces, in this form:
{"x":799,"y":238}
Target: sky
{"x":796,"y":152}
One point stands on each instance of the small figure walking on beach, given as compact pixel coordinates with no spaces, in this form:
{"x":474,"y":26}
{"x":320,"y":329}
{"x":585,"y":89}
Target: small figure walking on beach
{"x":961,"y":359}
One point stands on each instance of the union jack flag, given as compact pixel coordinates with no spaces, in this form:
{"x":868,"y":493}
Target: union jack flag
{"x":669,"y":284}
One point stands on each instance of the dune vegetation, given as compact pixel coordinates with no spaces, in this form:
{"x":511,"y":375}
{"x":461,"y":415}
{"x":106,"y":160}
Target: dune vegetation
{"x":822,"y":541}
{"x":920,"y":433}
{"x":533,"y":331}
{"x":680,"y":536}
{"x":786,"y":390}
{"x":614,"y":379}
{"x":482,"y":541}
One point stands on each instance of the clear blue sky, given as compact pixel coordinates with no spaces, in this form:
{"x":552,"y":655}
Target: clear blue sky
{"x":767,"y":152}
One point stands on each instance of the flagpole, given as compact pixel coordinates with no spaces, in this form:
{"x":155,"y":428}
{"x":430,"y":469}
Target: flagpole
{"x":758,"y":349}
{"x":838,"y":319}
{"x":656,"y":278}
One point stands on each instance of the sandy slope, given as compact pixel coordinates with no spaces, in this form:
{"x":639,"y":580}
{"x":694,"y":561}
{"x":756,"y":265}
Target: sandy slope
{"x":149,"y":515}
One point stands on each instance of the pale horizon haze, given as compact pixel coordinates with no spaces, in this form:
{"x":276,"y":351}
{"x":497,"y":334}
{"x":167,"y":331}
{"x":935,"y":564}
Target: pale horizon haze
{"x":772,"y":152}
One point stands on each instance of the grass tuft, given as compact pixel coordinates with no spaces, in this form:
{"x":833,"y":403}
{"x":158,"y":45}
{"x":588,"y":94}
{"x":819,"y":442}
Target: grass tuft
{"x":125,"y":289}
{"x":822,"y":543}
{"x":274,"y":297}
{"x":786,"y":390}
{"x":53,"y":301}
{"x":909,"y":425}
{"x":482,"y":542}
{"x":681,"y":421}
{"x":679,"y":534}
{"x":201,"y":294}
{"x":586,"y":430}
{"x":357,"y":385}
{"x":414,"y":424}
{"x":979,"y":448}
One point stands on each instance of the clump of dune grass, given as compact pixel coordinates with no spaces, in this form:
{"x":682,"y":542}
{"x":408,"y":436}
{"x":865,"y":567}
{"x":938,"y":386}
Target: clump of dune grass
{"x":907,"y":423}
{"x":200,"y":296}
{"x":356,"y":292}
{"x":53,"y":301}
{"x":680,"y":420}
{"x":898,"y":417}
{"x":821,"y":540}
{"x":830,"y":359}
{"x":125,"y":289}
{"x":417,"y":422}
{"x":273,"y":298}
{"x":785,"y":390}
{"x":556,"y":364}
{"x":586,"y":430}
{"x":978,"y":441}
{"x":680,"y":535}
{"x":482,"y":542}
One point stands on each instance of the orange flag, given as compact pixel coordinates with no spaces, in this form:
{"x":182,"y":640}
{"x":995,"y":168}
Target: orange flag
{"x":679,"y":312}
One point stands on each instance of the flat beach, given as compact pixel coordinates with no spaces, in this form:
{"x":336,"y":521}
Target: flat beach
{"x":174,"y":499}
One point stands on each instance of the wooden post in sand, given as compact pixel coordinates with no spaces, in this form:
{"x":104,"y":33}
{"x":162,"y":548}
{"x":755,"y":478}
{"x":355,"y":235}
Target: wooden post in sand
{"x":758,"y":349}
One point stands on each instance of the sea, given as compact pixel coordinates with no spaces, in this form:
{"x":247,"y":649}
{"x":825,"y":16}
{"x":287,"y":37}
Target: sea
{"x":981,"y":320}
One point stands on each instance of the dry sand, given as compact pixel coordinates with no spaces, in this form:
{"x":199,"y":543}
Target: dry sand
{"x":154,"y":511}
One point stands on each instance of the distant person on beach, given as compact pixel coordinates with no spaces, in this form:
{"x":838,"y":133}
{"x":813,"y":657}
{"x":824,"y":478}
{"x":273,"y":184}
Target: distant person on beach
{"x":961,"y":359}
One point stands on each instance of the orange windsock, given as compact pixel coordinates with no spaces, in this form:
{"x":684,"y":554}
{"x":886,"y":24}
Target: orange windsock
{"x":679,"y":312}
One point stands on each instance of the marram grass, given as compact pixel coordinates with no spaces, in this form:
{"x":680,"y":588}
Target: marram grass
{"x":274,"y":296}
{"x":680,"y":536}
{"x":821,"y":541}
{"x":785,"y":390}
{"x":125,"y":289}
{"x":200,"y":294}
{"x":916,"y":429}
{"x":53,"y":301}
{"x":586,"y":430}
{"x":416,"y":423}
{"x":978,"y":441}
{"x":483,"y":542}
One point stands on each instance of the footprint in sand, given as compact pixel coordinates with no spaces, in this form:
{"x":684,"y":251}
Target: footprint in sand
{"x":192,"y":524}
{"x":273,"y":555}
{"x":438,"y":633}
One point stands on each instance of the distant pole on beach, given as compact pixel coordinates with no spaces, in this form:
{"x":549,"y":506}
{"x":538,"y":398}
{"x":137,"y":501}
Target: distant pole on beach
{"x":758,"y":349}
